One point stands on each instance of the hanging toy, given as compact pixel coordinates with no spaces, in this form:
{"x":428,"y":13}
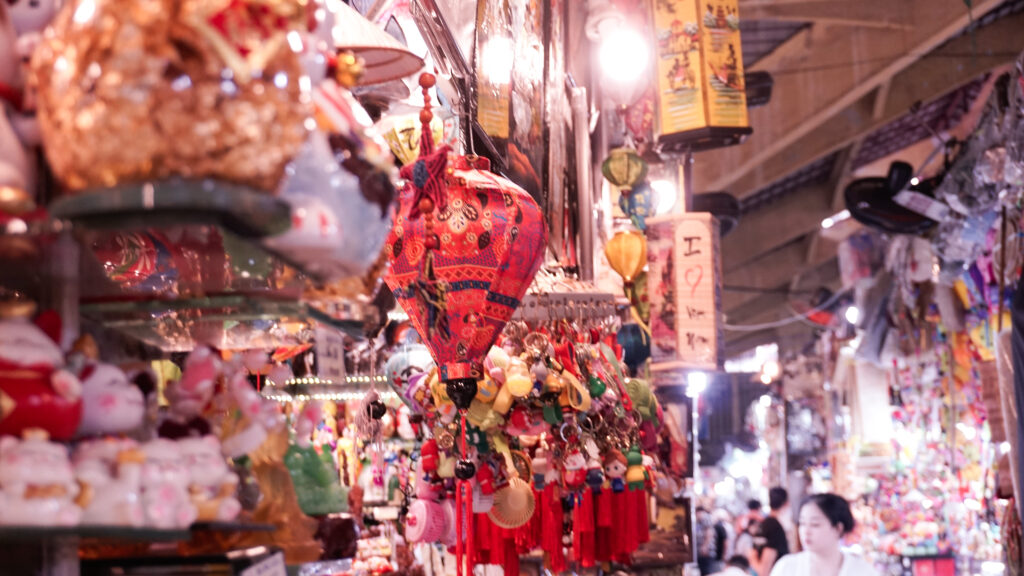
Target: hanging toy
{"x":574,"y":472}
{"x":636,"y":474}
{"x":615,"y":465}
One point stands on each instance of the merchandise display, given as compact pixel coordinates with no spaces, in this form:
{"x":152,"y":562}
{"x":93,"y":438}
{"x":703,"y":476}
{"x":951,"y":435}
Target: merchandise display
{"x":440,"y":288}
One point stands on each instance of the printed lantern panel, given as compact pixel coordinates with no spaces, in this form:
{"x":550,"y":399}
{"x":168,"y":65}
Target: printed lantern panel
{"x":492,"y":239}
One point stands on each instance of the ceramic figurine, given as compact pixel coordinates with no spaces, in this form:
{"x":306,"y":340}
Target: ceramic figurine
{"x":110,"y":473}
{"x":341,"y":215}
{"x":37,"y":485}
{"x":21,"y":26}
{"x":615,"y":465}
{"x":316,"y":481}
{"x":212,"y":484}
{"x":166,"y":478}
{"x":35,"y":390}
{"x":256,"y":416}
{"x":306,"y":422}
{"x":110,"y":403}
{"x":190,"y":395}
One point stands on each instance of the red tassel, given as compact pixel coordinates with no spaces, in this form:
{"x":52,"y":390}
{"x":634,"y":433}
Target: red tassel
{"x":604,"y":509}
{"x":644,"y":515}
{"x":458,"y":529}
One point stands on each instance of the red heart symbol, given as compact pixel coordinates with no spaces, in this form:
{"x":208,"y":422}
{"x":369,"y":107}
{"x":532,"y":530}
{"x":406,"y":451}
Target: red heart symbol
{"x":695,"y":270}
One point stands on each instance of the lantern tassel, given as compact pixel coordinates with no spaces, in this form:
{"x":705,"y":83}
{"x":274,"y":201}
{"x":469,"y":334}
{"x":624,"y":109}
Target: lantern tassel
{"x":463,"y":515}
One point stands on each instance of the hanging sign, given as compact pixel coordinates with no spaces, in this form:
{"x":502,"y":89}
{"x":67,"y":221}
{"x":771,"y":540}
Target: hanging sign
{"x":684,"y":287}
{"x":330,"y":355}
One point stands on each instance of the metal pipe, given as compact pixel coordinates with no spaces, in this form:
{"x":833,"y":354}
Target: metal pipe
{"x":584,"y":179}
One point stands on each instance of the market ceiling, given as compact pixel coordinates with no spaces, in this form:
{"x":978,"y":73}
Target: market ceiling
{"x":847,"y":77}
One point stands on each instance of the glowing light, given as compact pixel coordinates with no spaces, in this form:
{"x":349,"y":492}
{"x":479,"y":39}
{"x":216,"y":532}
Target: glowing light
{"x":84,"y":13}
{"x":496,"y":60}
{"x":835,"y":219}
{"x":765,"y":379}
{"x":664,"y":196}
{"x":1004,"y":448}
{"x":766,"y":401}
{"x":915,"y":181}
{"x":967,"y":430}
{"x":771,"y":369}
{"x":624,"y":55}
{"x":852,"y":315}
{"x":696,"y":384}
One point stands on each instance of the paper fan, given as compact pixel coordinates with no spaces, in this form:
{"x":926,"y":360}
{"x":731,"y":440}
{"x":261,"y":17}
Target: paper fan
{"x":513,"y":504}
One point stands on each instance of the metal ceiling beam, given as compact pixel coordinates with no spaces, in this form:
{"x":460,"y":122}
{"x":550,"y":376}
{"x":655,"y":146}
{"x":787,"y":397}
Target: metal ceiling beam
{"x":775,"y":225}
{"x":822,"y":72}
{"x":776,"y":271}
{"x":770,"y":308}
{"x":864,"y":14}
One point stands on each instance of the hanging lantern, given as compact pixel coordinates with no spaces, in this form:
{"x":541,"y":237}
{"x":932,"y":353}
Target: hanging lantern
{"x":402,"y":133}
{"x":701,"y":92}
{"x":636,"y":345}
{"x":624,"y":168}
{"x":627,"y":254}
{"x":400,"y":369}
{"x":464,"y":248}
{"x":638,"y":204}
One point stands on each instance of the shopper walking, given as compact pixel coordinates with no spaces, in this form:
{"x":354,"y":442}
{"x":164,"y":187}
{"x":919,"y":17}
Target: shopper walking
{"x":770,"y":541}
{"x":824,"y":520}
{"x":745,"y":528}
{"x":707,"y":554}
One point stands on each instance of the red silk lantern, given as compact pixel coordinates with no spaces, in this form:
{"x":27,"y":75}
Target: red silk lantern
{"x":464,"y":248}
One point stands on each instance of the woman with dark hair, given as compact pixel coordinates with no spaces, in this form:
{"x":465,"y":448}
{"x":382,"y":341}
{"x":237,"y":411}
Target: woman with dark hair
{"x":824,"y":520}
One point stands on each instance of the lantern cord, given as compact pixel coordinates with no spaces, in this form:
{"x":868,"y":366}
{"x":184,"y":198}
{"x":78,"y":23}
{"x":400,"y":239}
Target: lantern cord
{"x":463,"y":513}
{"x":786,"y":321}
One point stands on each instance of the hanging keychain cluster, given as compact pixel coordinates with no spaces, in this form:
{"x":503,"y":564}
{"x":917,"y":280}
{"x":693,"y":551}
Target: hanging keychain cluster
{"x":558,"y":439}
{"x":536,"y":442}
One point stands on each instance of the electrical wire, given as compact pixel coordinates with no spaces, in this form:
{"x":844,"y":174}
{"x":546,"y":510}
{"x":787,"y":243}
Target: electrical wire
{"x":785,"y":321}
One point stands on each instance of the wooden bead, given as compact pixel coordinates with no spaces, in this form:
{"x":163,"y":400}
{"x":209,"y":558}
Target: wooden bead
{"x":426,"y":116}
{"x":427,"y":80}
{"x":426,"y":204}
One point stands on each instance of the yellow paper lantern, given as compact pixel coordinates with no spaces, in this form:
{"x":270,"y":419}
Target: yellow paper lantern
{"x":627,"y":254}
{"x":402,"y":133}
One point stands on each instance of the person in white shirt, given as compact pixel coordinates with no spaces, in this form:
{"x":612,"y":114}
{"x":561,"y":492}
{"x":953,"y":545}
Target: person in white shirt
{"x":824,"y":520}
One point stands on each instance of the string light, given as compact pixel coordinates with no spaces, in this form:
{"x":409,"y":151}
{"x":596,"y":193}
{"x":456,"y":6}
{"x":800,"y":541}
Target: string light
{"x":326,"y":396}
{"x":313,"y":381}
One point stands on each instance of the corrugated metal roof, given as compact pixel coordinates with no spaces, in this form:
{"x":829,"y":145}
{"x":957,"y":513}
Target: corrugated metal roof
{"x":816,"y":172}
{"x":761,"y":37}
{"x":940,"y":114}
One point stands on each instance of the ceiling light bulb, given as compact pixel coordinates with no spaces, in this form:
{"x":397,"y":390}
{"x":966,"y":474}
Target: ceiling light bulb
{"x":696,"y":384}
{"x":624,"y":55}
{"x":852,"y":315}
{"x":664,"y":196}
